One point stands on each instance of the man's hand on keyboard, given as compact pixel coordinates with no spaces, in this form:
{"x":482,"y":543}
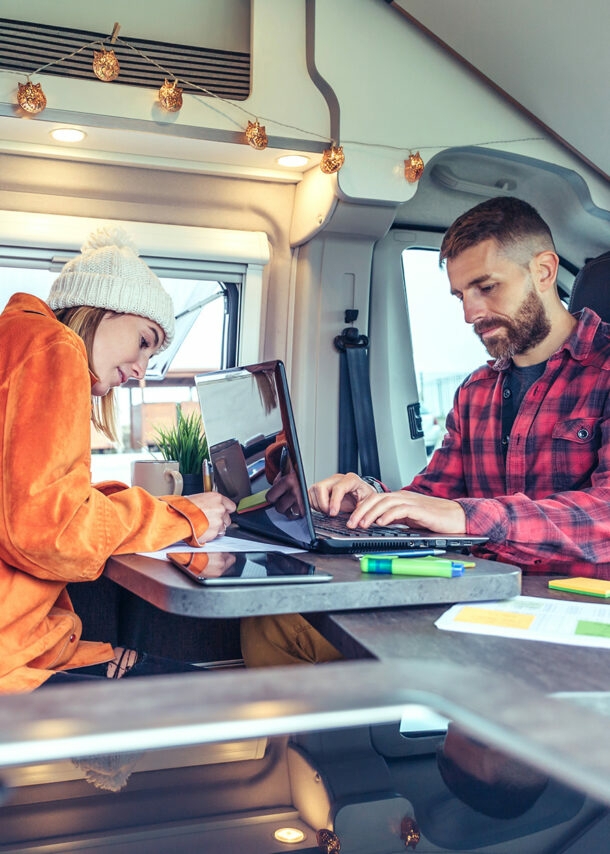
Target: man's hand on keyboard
{"x":409,"y":508}
{"x":341,"y":492}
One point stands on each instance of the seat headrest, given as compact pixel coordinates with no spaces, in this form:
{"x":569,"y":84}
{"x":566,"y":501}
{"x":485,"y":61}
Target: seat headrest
{"x":592,"y":287}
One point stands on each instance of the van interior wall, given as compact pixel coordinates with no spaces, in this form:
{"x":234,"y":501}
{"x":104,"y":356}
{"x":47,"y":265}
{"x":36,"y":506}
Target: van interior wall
{"x":392,"y":369}
{"x":333,"y":273}
{"x":307,"y":288}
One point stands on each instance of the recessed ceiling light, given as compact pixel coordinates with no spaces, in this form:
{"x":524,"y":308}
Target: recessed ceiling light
{"x":293,"y":160}
{"x":289,"y":835}
{"x":68,"y":134}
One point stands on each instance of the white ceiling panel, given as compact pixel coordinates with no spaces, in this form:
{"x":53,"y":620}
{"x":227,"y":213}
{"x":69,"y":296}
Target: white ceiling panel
{"x":551,"y":56}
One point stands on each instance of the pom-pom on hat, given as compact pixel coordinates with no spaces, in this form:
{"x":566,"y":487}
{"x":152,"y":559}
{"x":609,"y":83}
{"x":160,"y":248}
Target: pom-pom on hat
{"x":109,"y":274}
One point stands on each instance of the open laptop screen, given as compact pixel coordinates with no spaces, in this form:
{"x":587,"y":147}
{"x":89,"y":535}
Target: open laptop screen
{"x":253,"y":441}
{"x":254,"y":451}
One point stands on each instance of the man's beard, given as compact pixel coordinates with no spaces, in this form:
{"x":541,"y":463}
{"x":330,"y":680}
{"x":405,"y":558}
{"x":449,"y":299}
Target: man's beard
{"x":524,"y":331}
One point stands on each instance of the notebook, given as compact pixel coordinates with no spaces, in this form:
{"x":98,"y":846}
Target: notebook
{"x":249,"y":423}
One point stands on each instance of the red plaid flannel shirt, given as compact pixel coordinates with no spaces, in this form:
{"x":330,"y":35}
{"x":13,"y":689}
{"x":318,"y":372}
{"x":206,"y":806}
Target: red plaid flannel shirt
{"x":547,"y":508}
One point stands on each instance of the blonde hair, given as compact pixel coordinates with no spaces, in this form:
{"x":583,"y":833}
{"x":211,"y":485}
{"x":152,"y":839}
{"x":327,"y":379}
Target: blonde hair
{"x":84,"y":320}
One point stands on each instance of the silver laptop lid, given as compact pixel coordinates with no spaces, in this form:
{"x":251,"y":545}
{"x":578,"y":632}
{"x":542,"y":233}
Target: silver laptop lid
{"x":248,"y":419}
{"x":250,"y":429}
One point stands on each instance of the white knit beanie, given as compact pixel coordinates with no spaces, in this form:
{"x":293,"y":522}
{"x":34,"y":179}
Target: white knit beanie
{"x":109,"y":274}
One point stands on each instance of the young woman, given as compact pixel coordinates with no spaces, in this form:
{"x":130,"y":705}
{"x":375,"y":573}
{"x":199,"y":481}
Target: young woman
{"x":106,"y":315}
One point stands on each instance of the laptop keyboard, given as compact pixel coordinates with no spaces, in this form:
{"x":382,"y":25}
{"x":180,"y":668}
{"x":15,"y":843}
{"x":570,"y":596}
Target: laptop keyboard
{"x":337,"y":525}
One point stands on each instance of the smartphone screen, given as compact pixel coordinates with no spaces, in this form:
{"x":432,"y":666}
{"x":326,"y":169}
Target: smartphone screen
{"x":224,"y":568}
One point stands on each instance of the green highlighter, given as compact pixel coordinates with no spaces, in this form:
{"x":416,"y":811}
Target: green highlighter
{"x":426,"y":566}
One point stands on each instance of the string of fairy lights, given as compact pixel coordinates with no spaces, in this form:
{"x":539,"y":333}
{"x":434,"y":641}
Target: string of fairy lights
{"x":31,"y":99}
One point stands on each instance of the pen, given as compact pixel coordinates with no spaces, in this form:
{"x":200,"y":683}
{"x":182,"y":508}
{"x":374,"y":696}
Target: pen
{"x":406,"y":553}
{"x":411,"y":566}
{"x":284,"y":460}
{"x":208,"y":476}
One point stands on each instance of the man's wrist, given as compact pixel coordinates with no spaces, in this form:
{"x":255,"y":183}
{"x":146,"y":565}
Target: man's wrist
{"x":372,"y":481}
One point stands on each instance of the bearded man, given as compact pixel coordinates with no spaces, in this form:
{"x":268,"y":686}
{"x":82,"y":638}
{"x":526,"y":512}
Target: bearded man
{"x":526,"y":458}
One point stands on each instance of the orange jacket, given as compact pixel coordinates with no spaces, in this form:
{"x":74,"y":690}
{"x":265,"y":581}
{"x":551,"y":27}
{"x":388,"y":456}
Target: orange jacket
{"x":55,"y":527}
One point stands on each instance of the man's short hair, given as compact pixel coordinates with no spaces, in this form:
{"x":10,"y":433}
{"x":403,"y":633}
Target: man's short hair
{"x":515,"y":225}
{"x":515,"y":790}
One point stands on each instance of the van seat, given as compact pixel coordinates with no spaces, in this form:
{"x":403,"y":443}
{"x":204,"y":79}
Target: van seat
{"x":592,"y":287}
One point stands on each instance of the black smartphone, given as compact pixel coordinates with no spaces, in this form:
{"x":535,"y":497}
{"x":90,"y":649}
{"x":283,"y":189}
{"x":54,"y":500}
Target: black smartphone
{"x":222,"y":568}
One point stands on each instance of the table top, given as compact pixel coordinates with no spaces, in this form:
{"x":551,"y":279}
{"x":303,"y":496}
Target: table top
{"x":384,"y":617}
{"x":398,"y":633}
{"x":163,"y":585}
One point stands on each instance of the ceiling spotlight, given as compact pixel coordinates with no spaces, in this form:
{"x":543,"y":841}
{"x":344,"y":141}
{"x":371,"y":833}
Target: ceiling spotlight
{"x":68,"y":135}
{"x":289,"y":835}
{"x":293,"y":160}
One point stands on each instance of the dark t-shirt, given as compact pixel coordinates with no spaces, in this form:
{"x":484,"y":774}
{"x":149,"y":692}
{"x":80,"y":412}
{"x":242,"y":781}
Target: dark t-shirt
{"x":516,"y":383}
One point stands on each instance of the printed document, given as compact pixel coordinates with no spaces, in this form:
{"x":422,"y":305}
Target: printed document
{"x":532,"y":618}
{"x":225,"y":544}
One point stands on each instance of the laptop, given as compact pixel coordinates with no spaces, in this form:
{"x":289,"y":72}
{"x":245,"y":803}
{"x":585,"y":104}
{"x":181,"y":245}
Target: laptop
{"x":254,"y":448}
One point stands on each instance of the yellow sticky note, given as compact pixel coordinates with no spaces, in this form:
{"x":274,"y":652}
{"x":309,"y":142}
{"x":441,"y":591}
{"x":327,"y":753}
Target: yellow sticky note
{"x":489,"y":617}
{"x":587,"y":586}
{"x":253,"y":502}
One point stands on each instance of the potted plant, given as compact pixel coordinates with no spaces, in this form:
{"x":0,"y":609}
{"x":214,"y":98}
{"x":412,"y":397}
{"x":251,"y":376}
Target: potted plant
{"x":186,"y":443}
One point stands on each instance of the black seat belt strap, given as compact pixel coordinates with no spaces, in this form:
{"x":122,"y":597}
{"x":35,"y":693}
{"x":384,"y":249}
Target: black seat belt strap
{"x":348,"y":443}
{"x":357,"y":435}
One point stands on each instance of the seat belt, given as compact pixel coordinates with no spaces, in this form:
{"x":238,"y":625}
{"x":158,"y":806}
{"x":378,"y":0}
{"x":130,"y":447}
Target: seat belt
{"x":357,"y":436}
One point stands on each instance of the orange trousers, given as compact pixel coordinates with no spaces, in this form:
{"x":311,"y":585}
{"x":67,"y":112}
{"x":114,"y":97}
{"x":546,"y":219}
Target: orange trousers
{"x":283,"y":639}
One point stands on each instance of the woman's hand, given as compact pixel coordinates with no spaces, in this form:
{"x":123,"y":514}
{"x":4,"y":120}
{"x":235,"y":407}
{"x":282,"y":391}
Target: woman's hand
{"x":217,"y":508}
{"x":341,"y":492}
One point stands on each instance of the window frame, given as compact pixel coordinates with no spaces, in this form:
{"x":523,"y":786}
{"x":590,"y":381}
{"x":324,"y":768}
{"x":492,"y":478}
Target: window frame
{"x":38,"y":240}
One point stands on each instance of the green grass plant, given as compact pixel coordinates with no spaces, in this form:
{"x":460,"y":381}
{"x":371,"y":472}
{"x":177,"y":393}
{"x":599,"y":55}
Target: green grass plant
{"x":186,"y":442}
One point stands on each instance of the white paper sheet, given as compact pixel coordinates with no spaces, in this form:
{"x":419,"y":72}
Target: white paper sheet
{"x":225,"y":544}
{"x":532,"y":618}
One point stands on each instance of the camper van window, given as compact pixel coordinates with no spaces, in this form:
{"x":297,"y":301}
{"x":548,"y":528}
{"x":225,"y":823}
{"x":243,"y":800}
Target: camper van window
{"x":206,"y":333}
{"x":445,"y":349}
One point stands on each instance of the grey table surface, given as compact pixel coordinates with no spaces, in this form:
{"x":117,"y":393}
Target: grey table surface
{"x":381,"y":617}
{"x":166,"y":587}
{"x":411,"y":634}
